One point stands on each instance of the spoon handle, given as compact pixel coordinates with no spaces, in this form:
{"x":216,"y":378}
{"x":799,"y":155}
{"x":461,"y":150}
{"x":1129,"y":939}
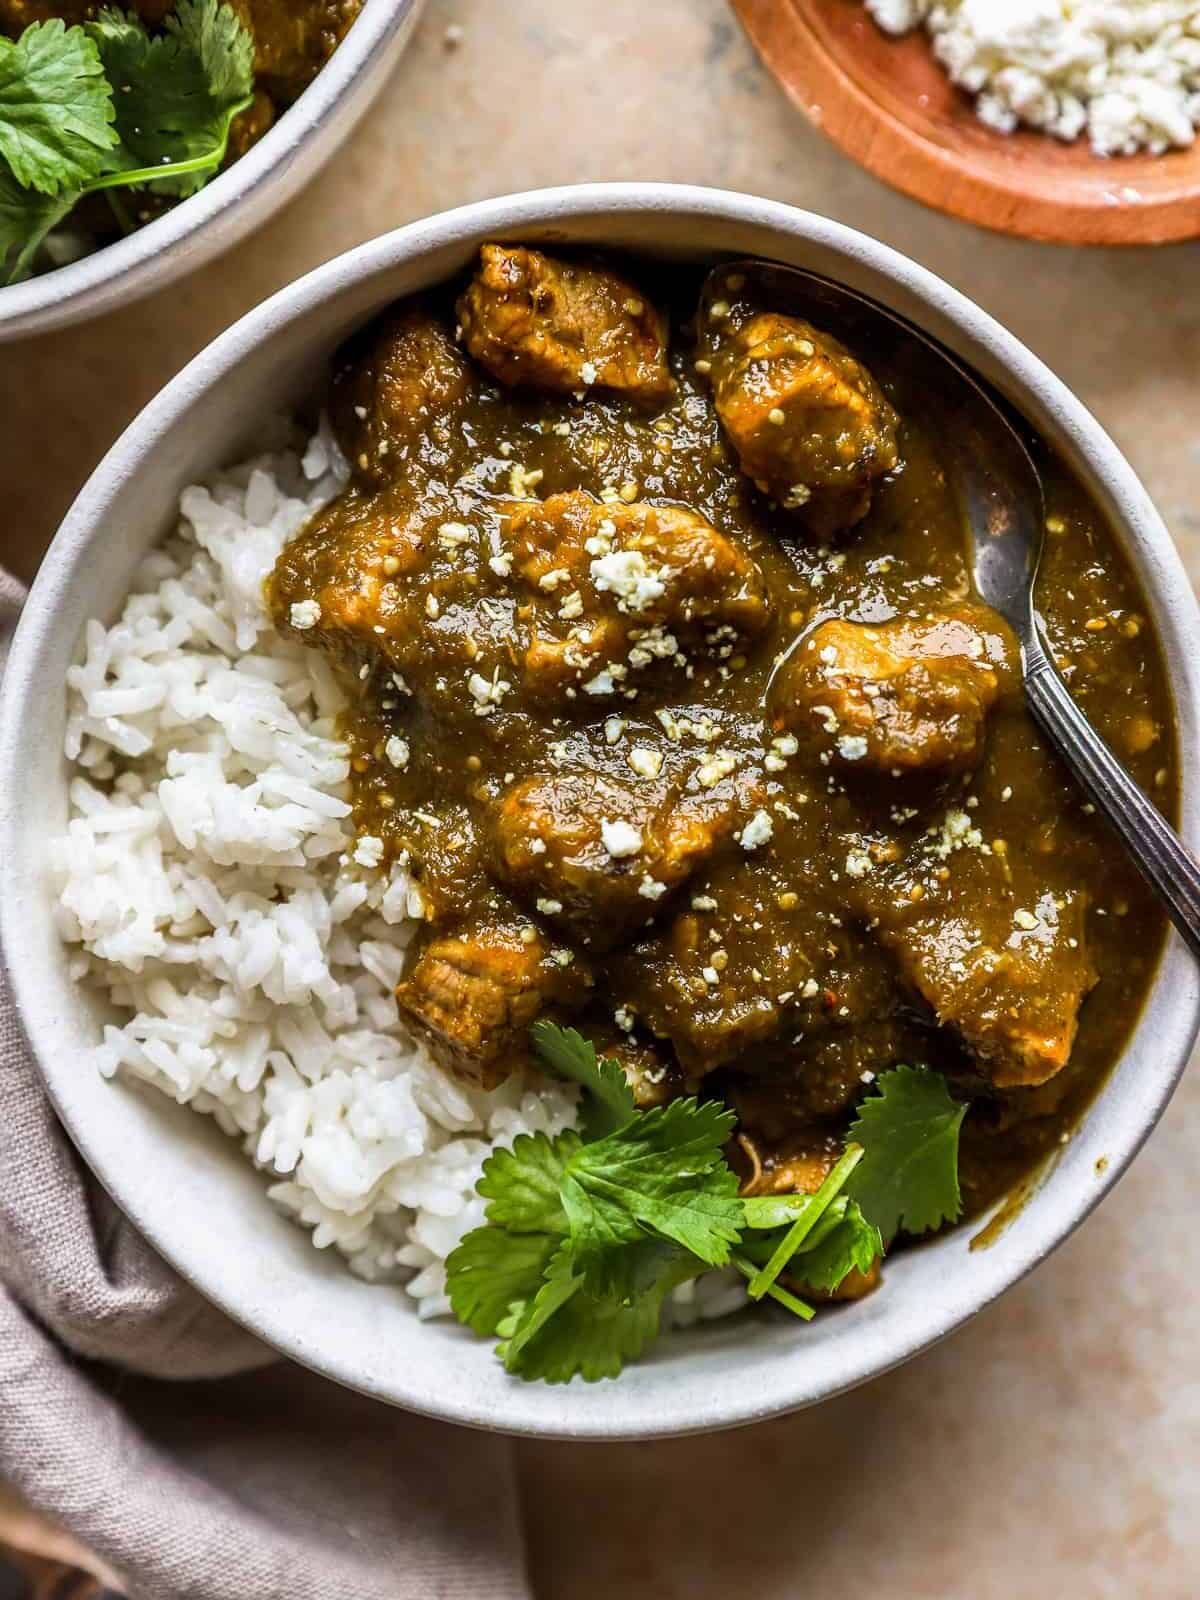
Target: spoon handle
{"x":1157,"y":850}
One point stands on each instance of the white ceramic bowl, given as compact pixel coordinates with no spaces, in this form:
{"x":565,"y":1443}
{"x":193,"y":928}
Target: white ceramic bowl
{"x":233,"y":204}
{"x":186,"y":1187}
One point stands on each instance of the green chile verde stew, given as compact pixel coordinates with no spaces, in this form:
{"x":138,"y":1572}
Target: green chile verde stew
{"x":668,"y":684}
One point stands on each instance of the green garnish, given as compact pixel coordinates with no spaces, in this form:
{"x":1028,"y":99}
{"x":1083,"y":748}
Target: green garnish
{"x":908,"y":1177}
{"x":609,"y":1104}
{"x":801,"y":1230}
{"x":104,"y":106}
{"x":663,"y":1174}
{"x":56,"y":108}
{"x":588,"y":1233}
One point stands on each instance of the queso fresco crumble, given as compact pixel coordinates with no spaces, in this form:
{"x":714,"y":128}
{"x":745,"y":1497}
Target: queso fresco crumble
{"x":1124,"y":72}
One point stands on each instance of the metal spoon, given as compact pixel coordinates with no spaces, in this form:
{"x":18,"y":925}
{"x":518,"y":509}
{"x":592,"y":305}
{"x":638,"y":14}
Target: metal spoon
{"x":1003,"y":505}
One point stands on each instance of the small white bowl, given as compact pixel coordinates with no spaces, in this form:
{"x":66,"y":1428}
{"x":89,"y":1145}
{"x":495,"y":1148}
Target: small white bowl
{"x":191,"y":1192}
{"x":233,"y":204}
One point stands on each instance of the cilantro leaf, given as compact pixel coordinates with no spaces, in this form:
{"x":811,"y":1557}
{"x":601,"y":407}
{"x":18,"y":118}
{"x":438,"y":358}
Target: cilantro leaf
{"x":175,"y":92}
{"x":491,"y":1270}
{"x":610,"y":1103}
{"x":665,"y":1172}
{"x":628,"y":1271}
{"x":908,"y":1177}
{"x":26,"y":217}
{"x":525,"y":1321}
{"x":213,"y":32}
{"x":56,"y":108}
{"x":524,"y":1184}
{"x":573,"y":1333}
{"x":848,"y":1244}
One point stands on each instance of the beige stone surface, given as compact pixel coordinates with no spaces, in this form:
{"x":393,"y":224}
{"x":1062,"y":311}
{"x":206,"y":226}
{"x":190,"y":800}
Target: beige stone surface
{"x":1053,"y":1448}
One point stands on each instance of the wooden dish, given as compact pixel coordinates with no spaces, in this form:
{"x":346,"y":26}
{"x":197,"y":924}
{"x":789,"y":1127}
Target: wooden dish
{"x":889,"y":105}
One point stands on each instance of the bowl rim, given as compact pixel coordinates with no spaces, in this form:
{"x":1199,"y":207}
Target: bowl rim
{"x":238,"y":200}
{"x":677,"y":1407}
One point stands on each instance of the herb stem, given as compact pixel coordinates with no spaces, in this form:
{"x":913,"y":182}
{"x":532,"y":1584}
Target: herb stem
{"x":798,"y":1308}
{"x":763,"y":1281}
{"x":170,"y":169}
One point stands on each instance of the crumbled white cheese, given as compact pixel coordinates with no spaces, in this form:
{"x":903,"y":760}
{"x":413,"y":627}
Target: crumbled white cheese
{"x":305,"y":614}
{"x":757,"y":831}
{"x":647,"y":763}
{"x":619,"y":839}
{"x":654,"y":644}
{"x":1126,"y":72}
{"x":501,"y":565}
{"x":811,"y":989}
{"x":852,"y":747}
{"x":651,"y":889}
{"x":549,"y":908}
{"x":716,"y":768}
{"x":452,"y":535}
{"x":628,"y":575}
{"x":587,"y":372}
{"x":368,"y":852}
{"x":858,"y":864}
{"x":703,"y":902}
{"x":522,"y":483}
{"x":957,"y":833}
{"x":396,"y":750}
{"x":487,"y":693}
{"x":602,"y":683}
{"x":1026,"y":920}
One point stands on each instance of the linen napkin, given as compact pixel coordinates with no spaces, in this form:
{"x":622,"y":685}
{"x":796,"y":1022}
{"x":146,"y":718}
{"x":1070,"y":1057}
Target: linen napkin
{"x":191,"y":1460}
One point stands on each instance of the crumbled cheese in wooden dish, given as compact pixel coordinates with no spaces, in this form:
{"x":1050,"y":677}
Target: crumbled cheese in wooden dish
{"x":1125,"y":73}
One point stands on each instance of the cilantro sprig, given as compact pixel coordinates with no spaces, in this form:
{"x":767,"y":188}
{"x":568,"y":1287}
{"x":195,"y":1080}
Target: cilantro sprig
{"x":588,"y":1233}
{"x":105,"y":105}
{"x":909,"y":1174}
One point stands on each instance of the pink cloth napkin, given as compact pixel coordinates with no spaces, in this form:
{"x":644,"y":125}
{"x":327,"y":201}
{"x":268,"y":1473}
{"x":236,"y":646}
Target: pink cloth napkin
{"x":178,"y":1448}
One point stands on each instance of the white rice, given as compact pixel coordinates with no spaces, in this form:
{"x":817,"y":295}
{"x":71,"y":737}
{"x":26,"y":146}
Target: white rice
{"x":208,"y":877}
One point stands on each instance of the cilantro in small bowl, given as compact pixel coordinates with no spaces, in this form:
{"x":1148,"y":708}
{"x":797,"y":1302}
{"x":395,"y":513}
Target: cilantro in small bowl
{"x":105,"y":107}
{"x":588,"y":1233}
